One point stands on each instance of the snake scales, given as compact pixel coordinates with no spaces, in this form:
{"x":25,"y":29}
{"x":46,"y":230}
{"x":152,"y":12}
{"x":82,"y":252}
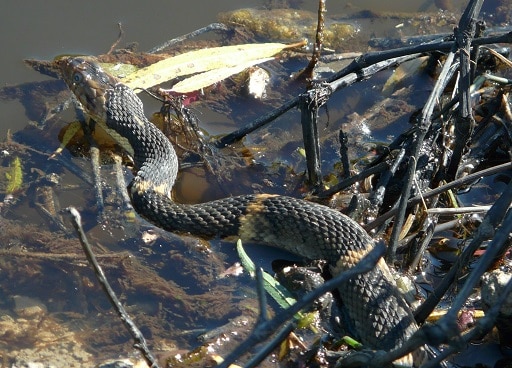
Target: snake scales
{"x":381,"y":318}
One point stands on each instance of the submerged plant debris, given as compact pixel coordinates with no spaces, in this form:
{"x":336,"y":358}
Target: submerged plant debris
{"x":286,"y":24}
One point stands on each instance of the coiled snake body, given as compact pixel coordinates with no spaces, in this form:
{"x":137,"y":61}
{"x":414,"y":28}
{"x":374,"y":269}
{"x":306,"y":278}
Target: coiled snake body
{"x":381,"y":318}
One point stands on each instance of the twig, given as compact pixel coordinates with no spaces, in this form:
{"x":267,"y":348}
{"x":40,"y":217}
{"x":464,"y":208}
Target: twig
{"x":140,"y":342}
{"x":197,"y":32}
{"x":353,"y":179}
{"x":119,"y":37}
{"x":465,"y":121}
{"x":458,"y":210}
{"x":271,"y":345}
{"x":344,"y":160}
{"x":363,"y":73}
{"x":262,"y":296}
{"x":424,"y":123}
{"x":466,"y":27}
{"x":420,"y":243}
{"x":475,"y":52}
{"x":482,"y":327}
{"x":494,"y":248}
{"x":309,"y":104}
{"x":62,"y":257}
{"x":256,"y":124}
{"x":94,"y":151}
{"x":354,"y":67}
{"x":423,"y":127}
{"x":485,"y":231}
{"x":415,"y":181}
{"x":343,"y":81}
{"x":96,"y":173}
{"x":377,"y":196}
{"x":375,"y":57}
{"x":317,"y":47}
{"x":443,"y":329}
{"x":451,"y":185}
{"x":121,"y":183}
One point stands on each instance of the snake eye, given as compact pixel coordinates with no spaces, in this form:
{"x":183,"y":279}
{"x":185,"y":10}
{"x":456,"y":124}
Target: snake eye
{"x":77,"y":77}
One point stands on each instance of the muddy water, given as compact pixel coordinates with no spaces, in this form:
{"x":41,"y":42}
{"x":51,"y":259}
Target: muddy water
{"x":44,"y":30}
{"x":50,"y":302}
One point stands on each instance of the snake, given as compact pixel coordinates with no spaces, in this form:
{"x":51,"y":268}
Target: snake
{"x":377,"y":312}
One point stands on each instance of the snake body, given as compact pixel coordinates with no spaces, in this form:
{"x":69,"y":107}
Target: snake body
{"x":381,"y":318}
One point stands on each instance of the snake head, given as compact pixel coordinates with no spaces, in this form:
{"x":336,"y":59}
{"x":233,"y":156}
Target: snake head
{"x":89,"y":83}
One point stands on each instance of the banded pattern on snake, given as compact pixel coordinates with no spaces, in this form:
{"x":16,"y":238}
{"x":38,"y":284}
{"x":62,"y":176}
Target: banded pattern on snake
{"x":381,"y":318}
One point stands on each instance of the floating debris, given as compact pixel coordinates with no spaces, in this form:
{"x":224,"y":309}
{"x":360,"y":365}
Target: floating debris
{"x":288,"y":26}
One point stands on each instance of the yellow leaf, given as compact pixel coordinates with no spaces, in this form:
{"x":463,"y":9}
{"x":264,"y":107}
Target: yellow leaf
{"x":201,"y":61}
{"x":206,"y":79}
{"x":218,"y":359}
{"x":119,"y":70}
{"x":70,"y":132}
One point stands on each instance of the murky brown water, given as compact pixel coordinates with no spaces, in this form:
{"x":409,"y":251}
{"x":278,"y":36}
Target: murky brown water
{"x":45,"y":30}
{"x":171,"y":284}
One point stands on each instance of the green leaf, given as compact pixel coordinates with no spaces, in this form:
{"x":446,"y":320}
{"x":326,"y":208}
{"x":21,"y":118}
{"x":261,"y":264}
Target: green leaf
{"x":353,"y":343}
{"x":277,"y":291}
{"x":247,"y":262}
{"x":14,"y":176}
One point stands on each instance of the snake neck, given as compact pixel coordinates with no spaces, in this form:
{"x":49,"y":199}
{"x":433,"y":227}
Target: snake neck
{"x":154,"y":157}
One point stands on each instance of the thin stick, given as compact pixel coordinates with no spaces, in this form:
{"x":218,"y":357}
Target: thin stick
{"x":197,"y":32}
{"x":482,"y":327}
{"x":344,"y":80}
{"x":451,"y":185}
{"x":262,"y":296}
{"x":140,"y":342}
{"x":119,"y":37}
{"x":424,"y":123}
{"x":353,"y":179}
{"x":485,"y":231}
{"x":121,"y":183}
{"x":94,"y":151}
{"x":357,"y":65}
{"x":317,"y":47}
{"x":256,"y":124}
{"x":309,"y":103}
{"x":269,"y":347}
{"x":465,"y":122}
{"x":458,"y":210}
{"x":62,"y":257}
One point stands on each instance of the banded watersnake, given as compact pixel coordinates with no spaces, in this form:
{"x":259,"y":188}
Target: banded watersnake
{"x":381,"y":318}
